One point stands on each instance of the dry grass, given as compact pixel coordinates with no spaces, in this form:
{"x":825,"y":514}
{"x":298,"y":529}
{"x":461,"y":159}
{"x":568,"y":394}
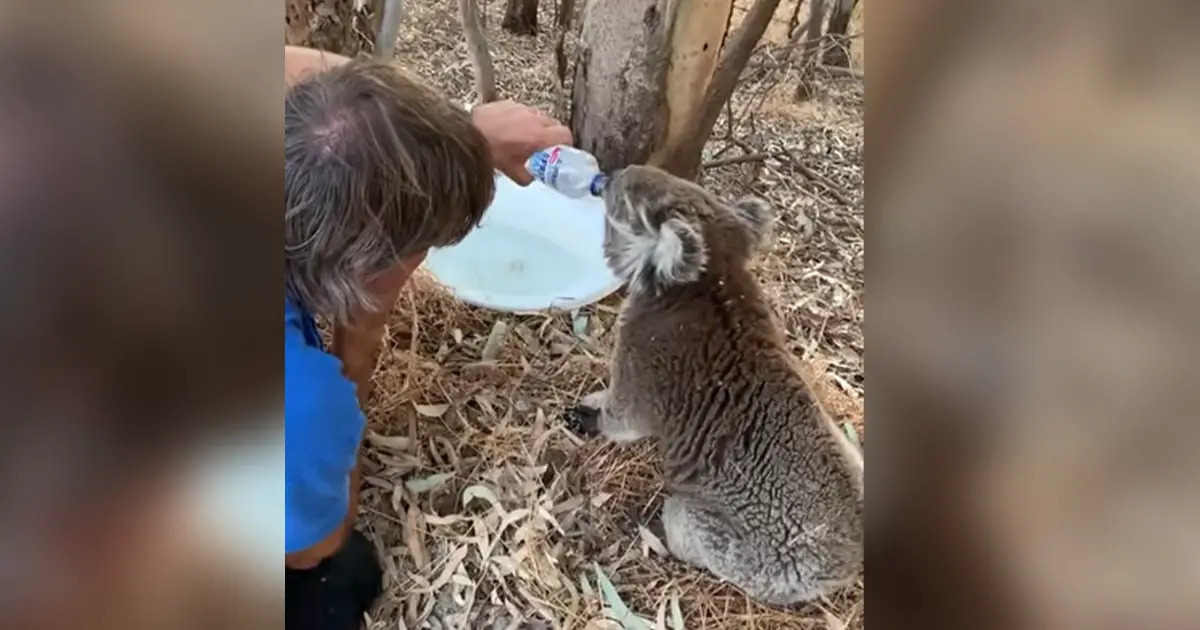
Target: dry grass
{"x":488,"y":513}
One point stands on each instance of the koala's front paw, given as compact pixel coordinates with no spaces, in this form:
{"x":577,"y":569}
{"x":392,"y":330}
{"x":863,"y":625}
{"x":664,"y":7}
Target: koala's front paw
{"x":583,"y":420}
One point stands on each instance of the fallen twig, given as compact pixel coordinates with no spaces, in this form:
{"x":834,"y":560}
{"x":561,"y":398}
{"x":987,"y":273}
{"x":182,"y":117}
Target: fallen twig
{"x":842,"y":72}
{"x":812,"y":175}
{"x":744,"y":159}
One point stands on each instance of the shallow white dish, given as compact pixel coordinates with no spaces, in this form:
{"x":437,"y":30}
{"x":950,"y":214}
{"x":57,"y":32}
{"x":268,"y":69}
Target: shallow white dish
{"x":237,"y":502}
{"x":535,"y":250}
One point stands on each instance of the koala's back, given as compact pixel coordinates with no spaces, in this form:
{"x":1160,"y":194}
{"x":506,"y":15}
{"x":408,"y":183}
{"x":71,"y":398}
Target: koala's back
{"x":740,"y":431}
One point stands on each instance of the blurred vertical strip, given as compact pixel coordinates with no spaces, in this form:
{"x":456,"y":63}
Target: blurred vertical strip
{"x":1034,"y":309}
{"x":140,"y":261}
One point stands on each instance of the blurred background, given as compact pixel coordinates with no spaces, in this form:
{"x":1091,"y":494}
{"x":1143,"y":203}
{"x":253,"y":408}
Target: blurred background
{"x":1032,"y":318}
{"x":1033,"y":315}
{"x":141,"y":438}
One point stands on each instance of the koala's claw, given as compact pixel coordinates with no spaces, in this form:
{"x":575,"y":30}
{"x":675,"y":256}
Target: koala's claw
{"x":583,"y":420}
{"x":657,"y":527}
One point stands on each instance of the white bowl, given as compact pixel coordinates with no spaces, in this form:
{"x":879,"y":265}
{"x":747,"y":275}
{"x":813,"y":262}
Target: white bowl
{"x":535,"y":250}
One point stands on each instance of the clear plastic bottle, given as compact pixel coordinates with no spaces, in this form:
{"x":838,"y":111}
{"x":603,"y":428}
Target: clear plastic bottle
{"x":568,"y":170}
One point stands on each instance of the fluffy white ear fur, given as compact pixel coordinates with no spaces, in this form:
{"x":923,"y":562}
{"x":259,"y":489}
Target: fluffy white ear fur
{"x":673,"y":254}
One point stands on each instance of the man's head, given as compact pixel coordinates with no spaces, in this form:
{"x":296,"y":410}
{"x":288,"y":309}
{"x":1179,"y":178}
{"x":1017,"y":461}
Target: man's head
{"x":378,"y":168}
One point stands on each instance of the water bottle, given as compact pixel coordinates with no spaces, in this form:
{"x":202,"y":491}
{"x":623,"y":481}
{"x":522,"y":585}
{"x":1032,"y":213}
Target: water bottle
{"x":568,"y":170}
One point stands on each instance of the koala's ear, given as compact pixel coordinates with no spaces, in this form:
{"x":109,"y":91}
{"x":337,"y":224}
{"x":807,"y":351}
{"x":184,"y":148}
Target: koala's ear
{"x":757,"y":217}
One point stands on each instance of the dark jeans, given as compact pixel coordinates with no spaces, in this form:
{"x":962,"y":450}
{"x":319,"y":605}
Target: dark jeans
{"x":335,"y":594}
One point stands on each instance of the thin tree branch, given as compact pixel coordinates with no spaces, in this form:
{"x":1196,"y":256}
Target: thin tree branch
{"x":389,"y":28}
{"x":477,"y":46}
{"x":812,"y":175}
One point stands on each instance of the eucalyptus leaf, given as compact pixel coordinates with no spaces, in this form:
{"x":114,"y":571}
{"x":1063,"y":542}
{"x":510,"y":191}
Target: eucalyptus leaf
{"x":676,"y":612}
{"x":852,"y":433}
{"x":480,"y":492}
{"x":421,"y":485}
{"x":618,"y":610}
{"x":579,"y":326}
{"x":495,"y":341}
{"x":432,"y":411}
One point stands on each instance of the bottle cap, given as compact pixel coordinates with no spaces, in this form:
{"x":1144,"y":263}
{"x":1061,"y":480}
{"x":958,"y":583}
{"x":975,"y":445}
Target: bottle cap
{"x":598,"y":184}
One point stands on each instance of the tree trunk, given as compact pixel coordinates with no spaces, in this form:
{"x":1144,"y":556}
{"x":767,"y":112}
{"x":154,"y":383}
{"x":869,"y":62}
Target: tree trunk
{"x":521,"y":17}
{"x":640,"y":74}
{"x":794,"y":20}
{"x":838,"y":53}
{"x":812,"y":44}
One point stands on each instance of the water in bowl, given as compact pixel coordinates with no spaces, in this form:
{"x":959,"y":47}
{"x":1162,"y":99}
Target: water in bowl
{"x":503,"y":260}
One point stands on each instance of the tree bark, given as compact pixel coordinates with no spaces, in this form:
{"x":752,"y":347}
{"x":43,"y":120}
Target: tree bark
{"x":838,"y":53}
{"x":520,"y":17}
{"x":640,"y":73}
{"x":812,"y":44}
{"x":334,"y":29}
{"x":794,"y":20}
{"x":296,"y":23}
{"x":682,"y":152}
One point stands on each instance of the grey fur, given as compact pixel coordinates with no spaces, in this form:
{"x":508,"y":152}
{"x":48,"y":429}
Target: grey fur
{"x":765,"y":491}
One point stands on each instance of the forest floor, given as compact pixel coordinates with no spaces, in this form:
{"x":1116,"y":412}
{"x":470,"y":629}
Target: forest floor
{"x":488,"y":513}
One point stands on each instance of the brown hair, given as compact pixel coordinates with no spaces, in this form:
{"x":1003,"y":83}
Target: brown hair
{"x":378,"y":166}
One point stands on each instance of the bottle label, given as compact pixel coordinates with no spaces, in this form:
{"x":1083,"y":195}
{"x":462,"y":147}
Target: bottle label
{"x":544,"y":166}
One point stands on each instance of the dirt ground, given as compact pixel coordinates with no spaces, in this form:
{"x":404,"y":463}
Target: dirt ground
{"x":487,"y":512}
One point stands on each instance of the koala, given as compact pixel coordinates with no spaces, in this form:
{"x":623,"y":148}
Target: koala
{"x":764,"y":490}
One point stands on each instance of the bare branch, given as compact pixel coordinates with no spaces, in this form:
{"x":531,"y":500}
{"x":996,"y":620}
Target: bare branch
{"x":786,"y":157}
{"x":389,"y":28}
{"x":563,"y":24}
{"x":477,"y":46}
{"x":838,"y":71}
{"x":743,"y":159}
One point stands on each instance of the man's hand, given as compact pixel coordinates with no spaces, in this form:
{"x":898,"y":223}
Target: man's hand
{"x":299,"y":62}
{"x":516,"y":132}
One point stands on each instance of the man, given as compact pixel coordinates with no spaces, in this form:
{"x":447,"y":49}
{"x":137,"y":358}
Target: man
{"x":378,"y":168}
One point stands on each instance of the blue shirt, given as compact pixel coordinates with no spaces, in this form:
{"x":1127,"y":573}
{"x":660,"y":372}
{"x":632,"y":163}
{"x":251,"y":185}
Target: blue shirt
{"x":324,"y":428}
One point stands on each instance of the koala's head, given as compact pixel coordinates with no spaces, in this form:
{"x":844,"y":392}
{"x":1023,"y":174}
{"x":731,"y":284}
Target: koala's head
{"x":662,"y":230}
